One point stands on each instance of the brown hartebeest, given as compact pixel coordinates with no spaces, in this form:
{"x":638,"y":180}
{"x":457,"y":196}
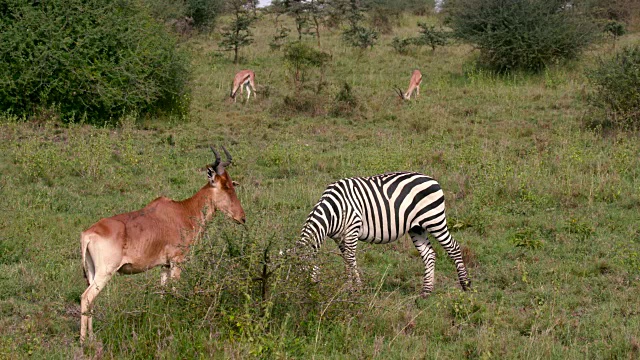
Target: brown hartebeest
{"x":243,"y":79}
{"x":157,"y":235}
{"x":414,"y":85}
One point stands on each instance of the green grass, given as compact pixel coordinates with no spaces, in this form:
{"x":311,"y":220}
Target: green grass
{"x":547,"y":208}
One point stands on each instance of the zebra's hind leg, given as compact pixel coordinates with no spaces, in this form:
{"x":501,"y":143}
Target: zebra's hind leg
{"x":452,"y":248}
{"x":428,"y":255}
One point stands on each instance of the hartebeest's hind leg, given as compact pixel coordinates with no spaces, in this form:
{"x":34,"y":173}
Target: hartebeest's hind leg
{"x":99,"y":270}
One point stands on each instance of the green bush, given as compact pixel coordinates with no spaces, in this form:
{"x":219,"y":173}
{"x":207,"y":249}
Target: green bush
{"x":360,"y":36}
{"x":401,"y":45}
{"x":521,"y":34}
{"x":617,"y":87}
{"x":97,"y":58}
{"x":345,"y":104}
{"x":300,"y":57}
{"x":430,"y":36}
{"x":203,"y":12}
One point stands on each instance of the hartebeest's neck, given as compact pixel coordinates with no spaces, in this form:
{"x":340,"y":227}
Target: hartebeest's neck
{"x":200,"y":206}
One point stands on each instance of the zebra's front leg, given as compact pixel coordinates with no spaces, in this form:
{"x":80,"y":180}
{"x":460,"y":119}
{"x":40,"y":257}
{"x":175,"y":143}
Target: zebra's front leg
{"x":428,"y":256}
{"x":351,"y":267}
{"x":348,"y":250}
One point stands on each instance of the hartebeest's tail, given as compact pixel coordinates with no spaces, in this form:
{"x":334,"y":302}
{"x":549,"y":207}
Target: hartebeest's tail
{"x":88,"y":267}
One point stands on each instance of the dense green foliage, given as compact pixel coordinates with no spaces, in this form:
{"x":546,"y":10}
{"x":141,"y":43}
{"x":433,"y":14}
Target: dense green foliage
{"x":617,"y":87}
{"x":521,"y":34}
{"x":204,"y":12}
{"x":201,"y":13}
{"x":546,"y":211}
{"x":99,"y":58}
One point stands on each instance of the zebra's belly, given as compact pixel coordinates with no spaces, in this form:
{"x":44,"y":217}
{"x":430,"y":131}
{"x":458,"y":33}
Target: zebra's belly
{"x":381,"y":240}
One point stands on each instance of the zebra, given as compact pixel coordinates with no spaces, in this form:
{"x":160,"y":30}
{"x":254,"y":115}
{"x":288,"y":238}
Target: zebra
{"x":380,"y":209}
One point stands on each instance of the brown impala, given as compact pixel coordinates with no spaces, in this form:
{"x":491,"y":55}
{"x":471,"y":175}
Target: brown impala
{"x":414,"y":86}
{"x":244,"y":79}
{"x":157,"y":235}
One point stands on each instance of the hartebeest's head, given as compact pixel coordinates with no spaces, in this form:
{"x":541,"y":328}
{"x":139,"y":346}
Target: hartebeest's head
{"x":224,"y":193}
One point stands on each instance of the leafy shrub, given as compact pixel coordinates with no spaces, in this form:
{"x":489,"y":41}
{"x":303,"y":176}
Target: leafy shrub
{"x":430,"y":36}
{"x":617,"y":87}
{"x":359,"y":36}
{"x":302,"y":103}
{"x":96,"y":58}
{"x":521,"y":34}
{"x":615,"y":28}
{"x":203,"y":12}
{"x":299,"y":57}
{"x":346,"y":103}
{"x":401,"y":45}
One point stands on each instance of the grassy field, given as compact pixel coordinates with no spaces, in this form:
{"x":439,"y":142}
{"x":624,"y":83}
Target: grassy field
{"x":547,"y":208}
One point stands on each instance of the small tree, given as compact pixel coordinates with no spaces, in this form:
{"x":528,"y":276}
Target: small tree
{"x":238,"y":33}
{"x":357,"y":35}
{"x":615,"y":29}
{"x":430,"y":36}
{"x":316,"y":13}
{"x":299,"y":11}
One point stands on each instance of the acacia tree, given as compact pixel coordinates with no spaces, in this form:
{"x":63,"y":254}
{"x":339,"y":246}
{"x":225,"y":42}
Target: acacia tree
{"x":317,"y":13}
{"x":238,"y":33}
{"x":357,"y":35}
{"x":299,"y":11}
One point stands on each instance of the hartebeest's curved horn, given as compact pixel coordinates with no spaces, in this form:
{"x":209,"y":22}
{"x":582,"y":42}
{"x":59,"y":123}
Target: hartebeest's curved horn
{"x":215,"y":164}
{"x":229,"y":158}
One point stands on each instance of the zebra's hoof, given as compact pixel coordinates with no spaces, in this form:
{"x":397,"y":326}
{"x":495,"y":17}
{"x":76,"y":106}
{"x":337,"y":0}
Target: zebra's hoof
{"x":425,"y":294}
{"x":466,"y":285}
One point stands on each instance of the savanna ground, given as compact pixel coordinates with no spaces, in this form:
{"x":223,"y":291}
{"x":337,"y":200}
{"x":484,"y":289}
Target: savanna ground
{"x":546,"y":208}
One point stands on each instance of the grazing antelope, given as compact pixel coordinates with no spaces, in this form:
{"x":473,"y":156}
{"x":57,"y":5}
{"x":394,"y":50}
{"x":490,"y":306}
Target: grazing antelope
{"x":414,"y":85}
{"x":243,"y":79}
{"x":157,"y":235}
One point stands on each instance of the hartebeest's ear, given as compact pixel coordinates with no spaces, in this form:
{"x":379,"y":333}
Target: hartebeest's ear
{"x":235,"y":183}
{"x":211,"y":174}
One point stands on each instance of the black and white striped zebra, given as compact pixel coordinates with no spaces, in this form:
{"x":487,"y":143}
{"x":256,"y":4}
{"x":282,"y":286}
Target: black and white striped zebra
{"x":380,"y":209}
